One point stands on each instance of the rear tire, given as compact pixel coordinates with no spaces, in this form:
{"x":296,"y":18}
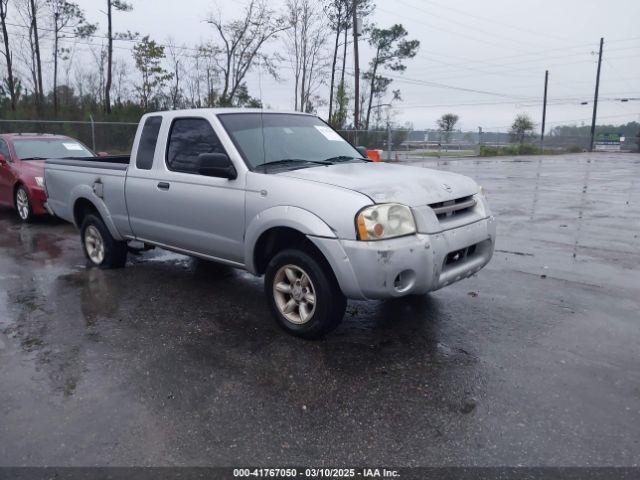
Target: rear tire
{"x":303,"y":294}
{"x":100,"y":248}
{"x":23,"y":205}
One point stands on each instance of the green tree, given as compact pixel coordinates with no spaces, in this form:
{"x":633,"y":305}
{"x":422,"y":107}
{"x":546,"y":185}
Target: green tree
{"x":522,"y":128}
{"x":391,"y":49}
{"x":638,"y":140}
{"x":446,"y":123}
{"x":339,"y":116}
{"x":148,"y":56}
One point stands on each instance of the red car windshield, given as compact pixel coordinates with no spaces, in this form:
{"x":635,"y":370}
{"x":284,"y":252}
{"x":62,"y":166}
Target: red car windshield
{"x":38,"y":149}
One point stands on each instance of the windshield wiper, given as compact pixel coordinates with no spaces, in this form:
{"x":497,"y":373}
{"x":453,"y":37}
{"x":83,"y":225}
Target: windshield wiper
{"x":34,"y":158}
{"x":345,"y":158}
{"x":295,"y":161}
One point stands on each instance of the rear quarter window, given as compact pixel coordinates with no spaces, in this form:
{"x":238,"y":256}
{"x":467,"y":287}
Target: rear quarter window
{"x":148,"y":141}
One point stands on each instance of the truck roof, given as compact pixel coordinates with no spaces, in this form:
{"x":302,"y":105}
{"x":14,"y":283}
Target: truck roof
{"x":196,"y":111}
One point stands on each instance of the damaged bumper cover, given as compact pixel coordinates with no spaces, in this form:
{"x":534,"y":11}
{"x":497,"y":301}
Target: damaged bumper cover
{"x":413,"y":264}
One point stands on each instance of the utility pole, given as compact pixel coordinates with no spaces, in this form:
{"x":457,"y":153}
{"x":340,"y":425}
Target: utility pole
{"x":544,"y":108}
{"x":595,"y":98}
{"x":356,"y":68}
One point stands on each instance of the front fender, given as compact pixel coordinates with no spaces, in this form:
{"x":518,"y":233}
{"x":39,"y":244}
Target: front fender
{"x":86,"y":192}
{"x":282,"y":216}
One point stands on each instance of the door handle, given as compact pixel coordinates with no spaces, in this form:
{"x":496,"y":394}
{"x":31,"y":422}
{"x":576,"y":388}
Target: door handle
{"x":163,"y":185}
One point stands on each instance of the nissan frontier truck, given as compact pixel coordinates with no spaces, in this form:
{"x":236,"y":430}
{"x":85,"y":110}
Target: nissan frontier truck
{"x":281,"y":195}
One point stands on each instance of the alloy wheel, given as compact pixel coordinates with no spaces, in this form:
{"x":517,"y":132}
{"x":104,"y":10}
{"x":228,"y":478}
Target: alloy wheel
{"x":94,"y":244}
{"x":294,"y":294}
{"x":22,"y":204}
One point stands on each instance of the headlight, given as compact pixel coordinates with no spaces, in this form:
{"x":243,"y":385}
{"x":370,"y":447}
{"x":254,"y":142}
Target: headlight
{"x":40,"y":181}
{"x":379,"y":222}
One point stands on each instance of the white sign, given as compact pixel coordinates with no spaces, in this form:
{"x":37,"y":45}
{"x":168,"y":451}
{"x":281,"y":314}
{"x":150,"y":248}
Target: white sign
{"x":329,"y":134}
{"x":73,"y":146}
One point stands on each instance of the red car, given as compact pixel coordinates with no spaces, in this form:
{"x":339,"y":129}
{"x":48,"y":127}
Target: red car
{"x":22,"y":157}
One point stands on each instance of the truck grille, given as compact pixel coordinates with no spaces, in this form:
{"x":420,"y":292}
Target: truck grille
{"x":454,"y":207}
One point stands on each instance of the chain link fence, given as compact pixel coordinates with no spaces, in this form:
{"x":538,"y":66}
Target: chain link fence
{"x":394,"y":144}
{"x":112,"y":137}
{"x":404,"y":144}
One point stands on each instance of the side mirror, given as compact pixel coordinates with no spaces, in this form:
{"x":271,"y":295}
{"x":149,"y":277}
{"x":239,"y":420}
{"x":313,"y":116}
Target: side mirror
{"x":216,"y":165}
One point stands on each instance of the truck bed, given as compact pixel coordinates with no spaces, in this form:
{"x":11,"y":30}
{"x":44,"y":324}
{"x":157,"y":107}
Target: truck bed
{"x":98,"y":179}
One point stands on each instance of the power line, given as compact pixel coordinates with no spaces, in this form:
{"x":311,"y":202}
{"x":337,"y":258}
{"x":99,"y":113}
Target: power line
{"x":465,"y":25}
{"x":416,"y":81}
{"x":519,"y":28}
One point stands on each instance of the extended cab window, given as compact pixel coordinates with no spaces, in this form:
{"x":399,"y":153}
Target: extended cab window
{"x":148,"y":140}
{"x":189,"y":137}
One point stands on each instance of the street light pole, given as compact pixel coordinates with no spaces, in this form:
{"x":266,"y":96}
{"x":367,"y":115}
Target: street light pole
{"x":544,"y":108}
{"x":356,"y":68}
{"x":595,"y":98}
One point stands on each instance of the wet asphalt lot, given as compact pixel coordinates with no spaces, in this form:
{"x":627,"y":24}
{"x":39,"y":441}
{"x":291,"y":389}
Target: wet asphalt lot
{"x":173,"y":361}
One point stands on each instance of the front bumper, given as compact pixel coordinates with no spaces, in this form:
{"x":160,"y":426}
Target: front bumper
{"x":414,"y":264}
{"x":38,"y":199}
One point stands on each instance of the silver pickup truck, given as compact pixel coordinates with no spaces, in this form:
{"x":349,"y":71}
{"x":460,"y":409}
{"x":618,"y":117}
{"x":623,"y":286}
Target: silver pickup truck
{"x":279,"y":194}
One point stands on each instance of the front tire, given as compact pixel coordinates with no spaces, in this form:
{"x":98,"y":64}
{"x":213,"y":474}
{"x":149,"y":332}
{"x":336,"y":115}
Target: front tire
{"x":100,"y":248}
{"x":303,"y":294}
{"x":23,"y":205}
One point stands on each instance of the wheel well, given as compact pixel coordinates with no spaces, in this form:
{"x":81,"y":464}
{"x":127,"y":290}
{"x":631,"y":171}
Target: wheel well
{"x":277,"y":239}
{"x":81,"y":209}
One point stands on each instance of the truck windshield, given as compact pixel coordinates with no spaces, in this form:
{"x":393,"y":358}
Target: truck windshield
{"x":286,"y":140}
{"x":42,"y":148}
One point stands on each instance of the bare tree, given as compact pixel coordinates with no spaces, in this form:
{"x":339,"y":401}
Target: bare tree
{"x":29,"y":11}
{"x":195,"y":77}
{"x":337,"y":11}
{"x":121,"y":84}
{"x":122,"y":6}
{"x":306,"y":39}
{"x":10,"y":81}
{"x":242,"y":46}
{"x":33,"y":12}
{"x":340,"y":14}
{"x":66,"y":15}
{"x":176,"y":59}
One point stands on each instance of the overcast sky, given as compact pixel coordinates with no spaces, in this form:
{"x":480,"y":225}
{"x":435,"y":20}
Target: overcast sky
{"x":497,"y":48}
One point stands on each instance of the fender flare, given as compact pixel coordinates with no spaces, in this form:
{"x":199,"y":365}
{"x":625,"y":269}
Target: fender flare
{"x":296,"y":218}
{"x":85,"y":192}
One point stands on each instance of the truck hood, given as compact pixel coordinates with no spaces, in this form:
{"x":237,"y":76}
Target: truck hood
{"x":386,"y":183}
